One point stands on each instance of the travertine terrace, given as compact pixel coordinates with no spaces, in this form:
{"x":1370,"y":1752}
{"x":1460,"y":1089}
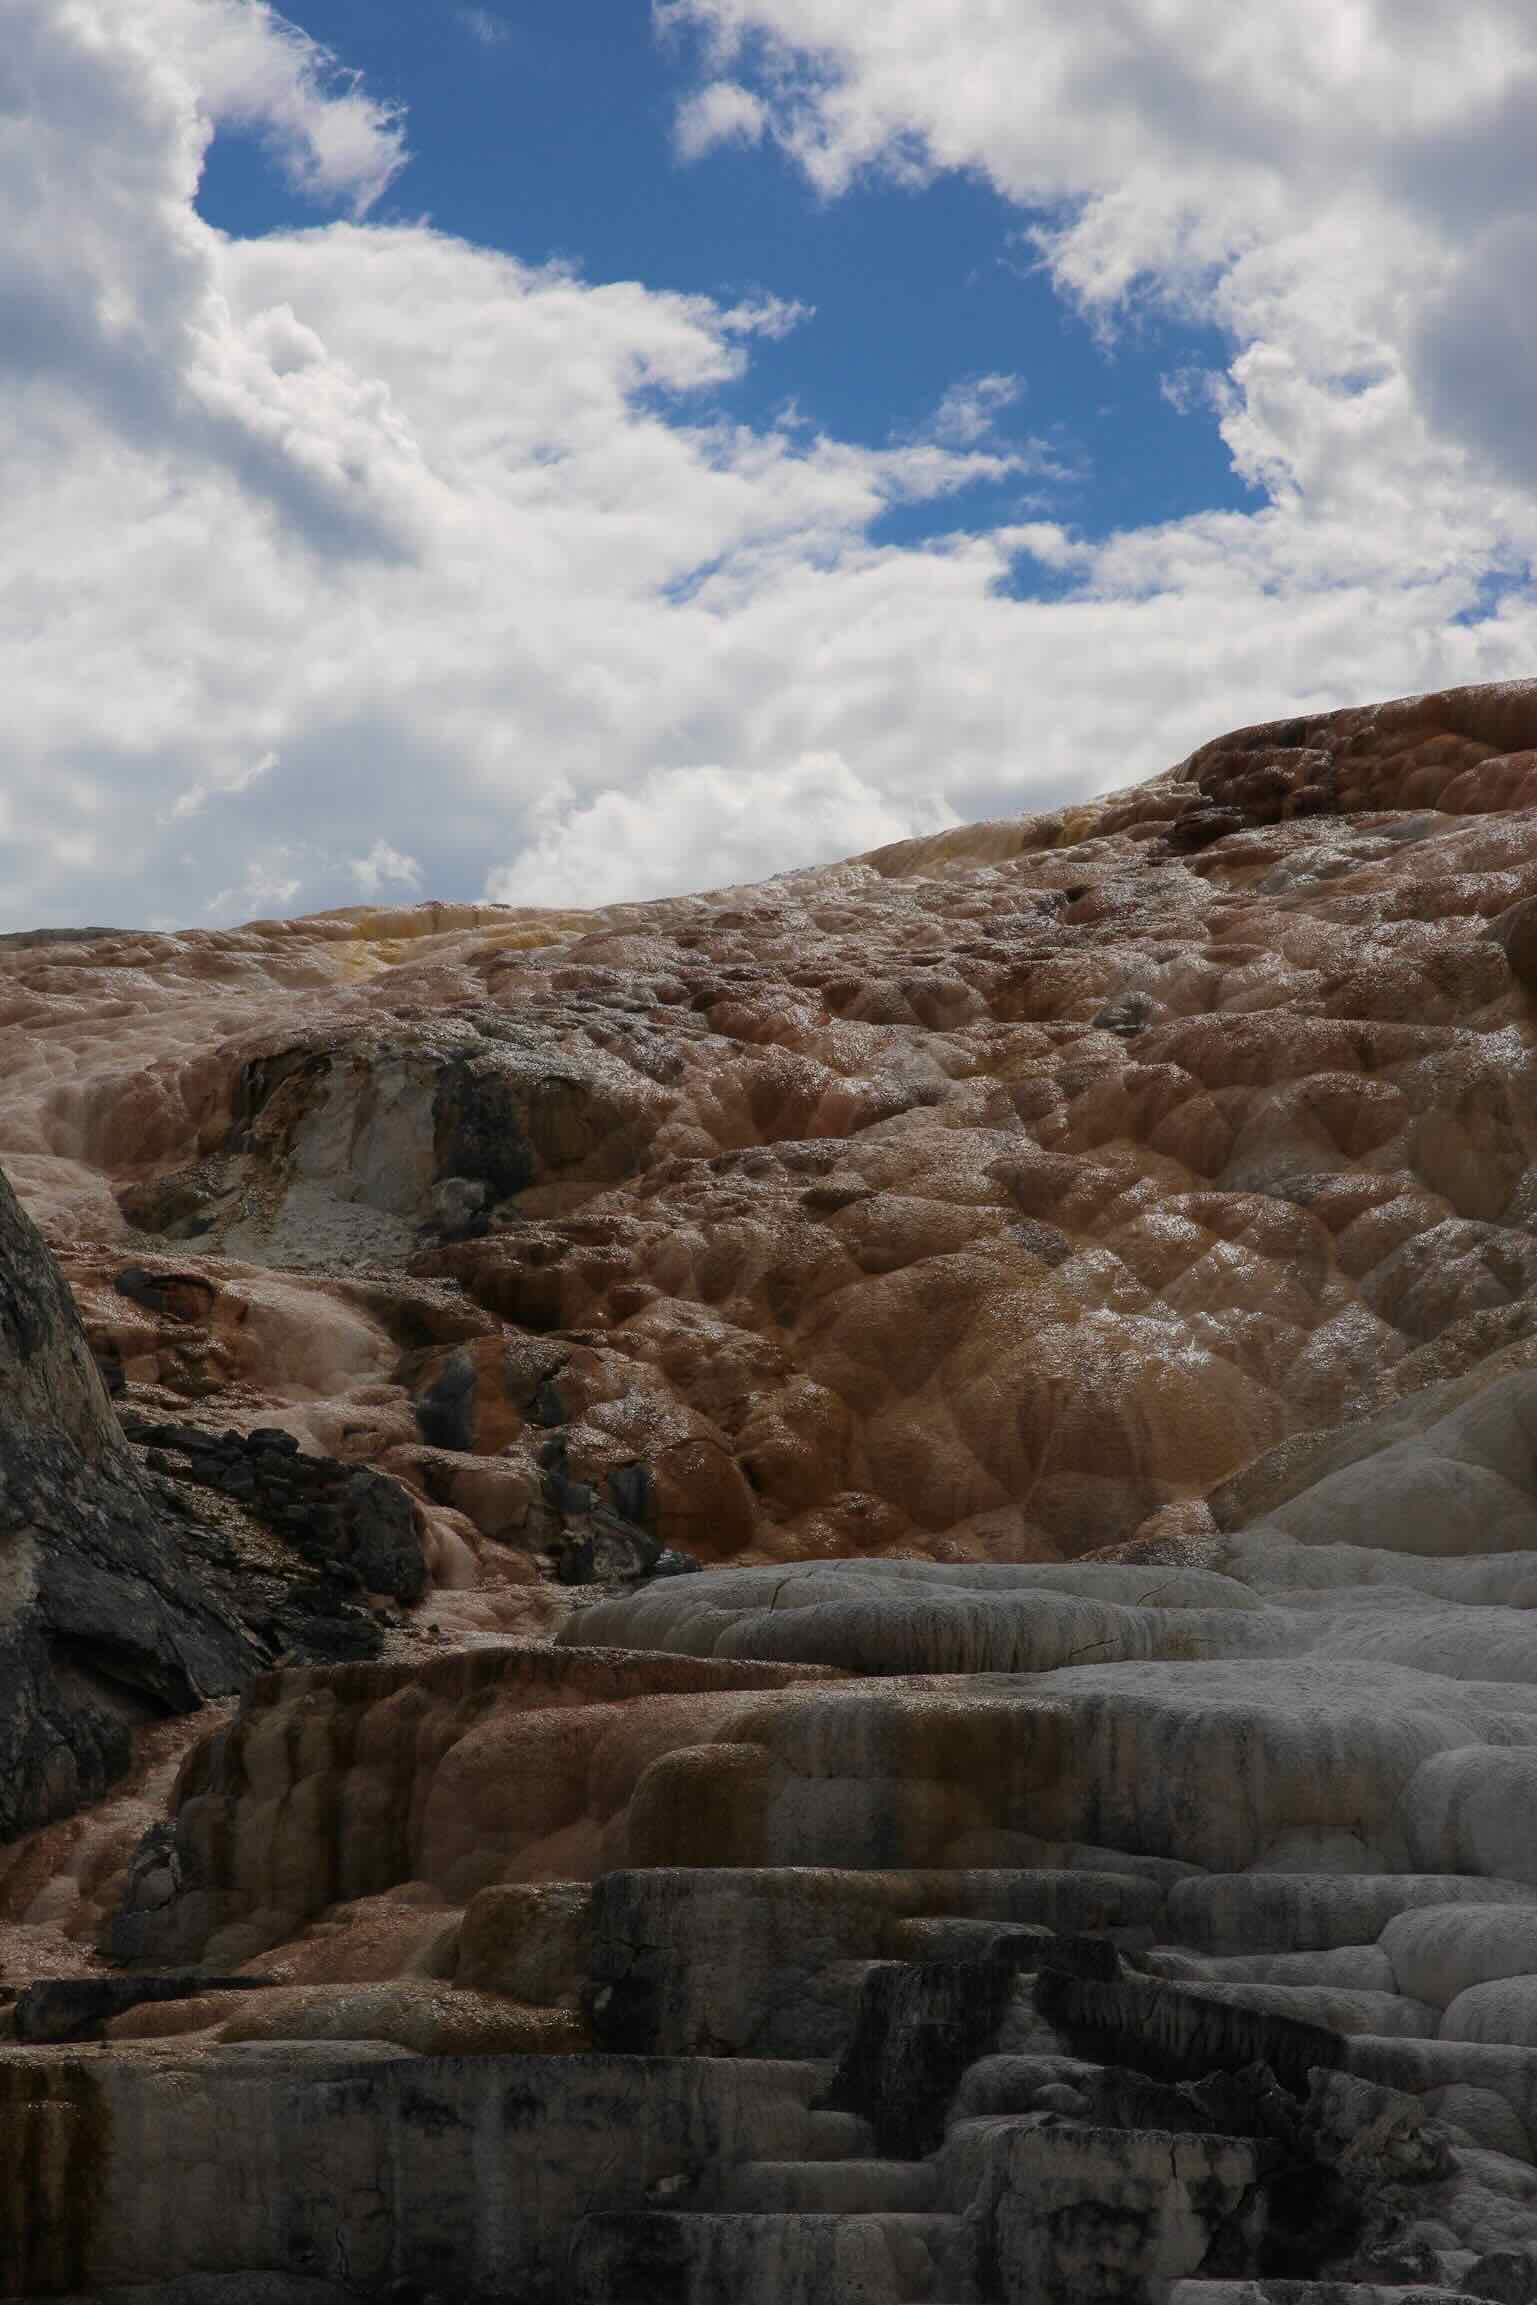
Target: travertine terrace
{"x":917,"y":1486}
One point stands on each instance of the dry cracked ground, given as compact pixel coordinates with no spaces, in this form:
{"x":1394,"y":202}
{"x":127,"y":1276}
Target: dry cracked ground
{"x":817,"y":1593}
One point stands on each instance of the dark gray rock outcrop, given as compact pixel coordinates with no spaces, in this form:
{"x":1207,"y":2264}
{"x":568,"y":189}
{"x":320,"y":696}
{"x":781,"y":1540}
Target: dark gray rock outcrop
{"x":918,"y":2026}
{"x":1176,"y":2033}
{"x":332,"y":1513}
{"x":100,"y":1626}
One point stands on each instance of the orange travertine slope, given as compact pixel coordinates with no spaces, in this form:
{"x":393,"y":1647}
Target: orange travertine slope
{"x":993,"y":1197}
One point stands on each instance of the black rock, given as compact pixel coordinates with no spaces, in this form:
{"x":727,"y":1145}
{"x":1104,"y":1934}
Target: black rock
{"x":918,"y":2026}
{"x":273,"y":1439}
{"x":1081,"y":1956}
{"x":1250,"y":2103}
{"x":632,"y":1493}
{"x":546,"y":1408}
{"x":320,"y":1622}
{"x":382,"y":1541}
{"x":445,"y":1412}
{"x":101,"y":1627}
{"x":1176,"y":2033}
{"x":172,"y":1296}
{"x":601,"y":1549}
{"x":359,"y":1520}
{"x":1506,"y":2276}
{"x":570,"y":1498}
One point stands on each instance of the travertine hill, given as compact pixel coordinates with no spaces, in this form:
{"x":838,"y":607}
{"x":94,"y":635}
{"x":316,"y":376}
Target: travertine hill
{"x":995,"y":1197}
{"x":1069,"y":1284}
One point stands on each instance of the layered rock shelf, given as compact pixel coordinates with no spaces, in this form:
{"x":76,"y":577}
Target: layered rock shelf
{"x":1066,"y":1287}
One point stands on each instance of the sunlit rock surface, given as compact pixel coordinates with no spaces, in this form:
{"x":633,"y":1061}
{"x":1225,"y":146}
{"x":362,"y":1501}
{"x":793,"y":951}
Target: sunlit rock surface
{"x":1068,"y":1286}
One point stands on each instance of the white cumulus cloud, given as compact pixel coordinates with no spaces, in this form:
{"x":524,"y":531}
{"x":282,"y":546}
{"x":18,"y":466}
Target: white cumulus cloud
{"x":265,"y":889}
{"x":971,"y":408}
{"x":686,"y":829}
{"x":383,"y":866}
{"x":1309,"y":176}
{"x":723,"y":112}
{"x":335,"y":556}
{"x":235,"y":780}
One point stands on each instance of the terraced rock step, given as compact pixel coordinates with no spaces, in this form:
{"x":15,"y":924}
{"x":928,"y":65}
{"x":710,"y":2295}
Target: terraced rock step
{"x":700,"y":2258}
{"x":829,"y":2188}
{"x":829,"y":2135}
{"x":959,"y":1937}
{"x":770,"y":1960}
{"x":1308,"y":2293}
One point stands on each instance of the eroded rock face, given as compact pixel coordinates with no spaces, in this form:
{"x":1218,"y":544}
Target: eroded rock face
{"x":363,"y":2171}
{"x":101,"y":1628}
{"x":336,"y":1786}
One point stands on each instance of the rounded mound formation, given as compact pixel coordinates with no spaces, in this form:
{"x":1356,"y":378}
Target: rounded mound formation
{"x":994,"y":1197}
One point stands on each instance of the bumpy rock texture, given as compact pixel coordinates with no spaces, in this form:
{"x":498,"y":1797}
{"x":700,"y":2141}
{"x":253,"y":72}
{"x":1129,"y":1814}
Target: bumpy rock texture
{"x":996,"y":1197}
{"x":1069,"y":1285}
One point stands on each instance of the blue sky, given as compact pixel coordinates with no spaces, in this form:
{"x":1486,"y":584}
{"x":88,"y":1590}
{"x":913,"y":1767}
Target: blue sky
{"x":413,"y":487}
{"x":547,"y":131}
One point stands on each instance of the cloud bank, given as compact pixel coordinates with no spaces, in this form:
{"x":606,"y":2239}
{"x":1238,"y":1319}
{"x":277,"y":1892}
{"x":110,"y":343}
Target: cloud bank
{"x":364,"y":561}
